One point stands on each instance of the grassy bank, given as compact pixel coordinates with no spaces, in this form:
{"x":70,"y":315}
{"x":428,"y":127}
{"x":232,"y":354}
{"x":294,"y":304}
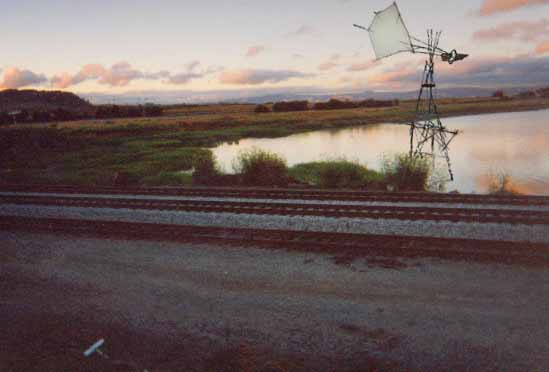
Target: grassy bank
{"x":158,"y":151}
{"x":261,"y":168}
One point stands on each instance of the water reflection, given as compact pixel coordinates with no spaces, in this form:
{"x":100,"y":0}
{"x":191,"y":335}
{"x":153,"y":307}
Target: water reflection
{"x":514,"y":143}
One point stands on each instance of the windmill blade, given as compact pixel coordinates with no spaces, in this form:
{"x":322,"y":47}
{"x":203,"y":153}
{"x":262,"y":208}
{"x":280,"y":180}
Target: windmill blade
{"x":389,"y":34}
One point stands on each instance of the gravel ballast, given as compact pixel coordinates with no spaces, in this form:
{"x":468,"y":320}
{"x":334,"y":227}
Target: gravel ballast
{"x":439,"y":229}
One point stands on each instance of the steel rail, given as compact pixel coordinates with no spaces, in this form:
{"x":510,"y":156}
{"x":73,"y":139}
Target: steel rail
{"x":512,"y":216}
{"x":291,"y":194}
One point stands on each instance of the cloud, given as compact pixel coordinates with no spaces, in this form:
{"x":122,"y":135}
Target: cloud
{"x":301,"y":30}
{"x":542,"y":48}
{"x":182,"y":78}
{"x":398,"y":77}
{"x":255,"y":50}
{"x":186,"y":77}
{"x":493,"y":71}
{"x":523,"y":30}
{"x":162,"y":74}
{"x":330,"y":63}
{"x":15,"y":78}
{"x":255,"y":77}
{"x":490,"y":7}
{"x":191,"y":74}
{"x":88,"y":72}
{"x":191,"y":66}
{"x":122,"y":73}
{"x":355,"y":67}
{"x":327,"y":66}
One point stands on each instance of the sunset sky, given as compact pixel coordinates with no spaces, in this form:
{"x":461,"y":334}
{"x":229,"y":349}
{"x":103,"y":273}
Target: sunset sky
{"x":123,"y":45}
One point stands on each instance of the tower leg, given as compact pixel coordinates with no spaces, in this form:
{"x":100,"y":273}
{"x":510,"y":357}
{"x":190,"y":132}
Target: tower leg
{"x":426,"y":127}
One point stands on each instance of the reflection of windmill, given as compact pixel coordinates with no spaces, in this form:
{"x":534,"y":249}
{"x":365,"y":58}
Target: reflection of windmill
{"x":389,"y":36}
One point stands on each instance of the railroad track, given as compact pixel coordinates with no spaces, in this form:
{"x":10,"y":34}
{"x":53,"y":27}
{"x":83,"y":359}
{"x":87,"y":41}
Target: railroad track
{"x":343,"y":245}
{"x":291,"y":194}
{"x":488,"y":215}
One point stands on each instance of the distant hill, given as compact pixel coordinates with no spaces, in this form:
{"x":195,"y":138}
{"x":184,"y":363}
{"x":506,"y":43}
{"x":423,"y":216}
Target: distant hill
{"x":357,"y":96}
{"x":36,"y":100}
{"x":256,"y":96}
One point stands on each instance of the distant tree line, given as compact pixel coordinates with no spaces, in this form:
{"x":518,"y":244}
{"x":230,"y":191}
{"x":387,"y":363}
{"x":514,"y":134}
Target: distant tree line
{"x":290,"y":106}
{"x":336,"y":104}
{"x":332,"y":104}
{"x":59,"y":114}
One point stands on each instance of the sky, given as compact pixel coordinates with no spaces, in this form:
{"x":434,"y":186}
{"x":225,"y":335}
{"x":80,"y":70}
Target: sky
{"x":217,"y":45}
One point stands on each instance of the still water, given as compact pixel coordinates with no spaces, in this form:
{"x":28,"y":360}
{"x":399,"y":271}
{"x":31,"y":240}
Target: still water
{"x":515,"y":143}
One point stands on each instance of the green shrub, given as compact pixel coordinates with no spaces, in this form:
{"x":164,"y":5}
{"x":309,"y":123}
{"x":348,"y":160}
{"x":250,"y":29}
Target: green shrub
{"x":407,"y":173}
{"x":339,"y":173}
{"x":334,"y":104}
{"x":342,"y":173}
{"x":206,"y":171}
{"x":287,"y":106}
{"x":261,"y":168}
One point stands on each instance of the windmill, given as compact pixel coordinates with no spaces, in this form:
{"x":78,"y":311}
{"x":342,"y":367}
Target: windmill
{"x":389,"y":36}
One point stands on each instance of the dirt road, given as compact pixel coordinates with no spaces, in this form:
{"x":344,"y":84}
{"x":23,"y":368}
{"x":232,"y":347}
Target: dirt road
{"x":182,"y":306}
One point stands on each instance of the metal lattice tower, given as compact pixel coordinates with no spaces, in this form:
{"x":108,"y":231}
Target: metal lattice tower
{"x":428,"y":136}
{"x":389,"y":36}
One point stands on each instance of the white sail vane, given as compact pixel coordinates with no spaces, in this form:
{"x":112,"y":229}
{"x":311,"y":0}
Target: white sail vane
{"x":389,"y":34}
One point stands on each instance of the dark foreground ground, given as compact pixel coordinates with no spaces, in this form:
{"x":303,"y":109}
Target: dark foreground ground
{"x":192,"y":307}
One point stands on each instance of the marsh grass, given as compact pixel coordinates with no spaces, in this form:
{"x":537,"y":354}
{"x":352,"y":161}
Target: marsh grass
{"x":407,"y":173}
{"x":337,"y":173}
{"x":501,"y":183}
{"x":261,"y":168}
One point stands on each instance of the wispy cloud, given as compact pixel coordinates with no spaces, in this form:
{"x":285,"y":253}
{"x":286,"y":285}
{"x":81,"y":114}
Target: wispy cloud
{"x":301,"y":30}
{"x":326,"y":66}
{"x":157,"y":75}
{"x":122,"y":73}
{"x":255,"y":77}
{"x":493,"y":71}
{"x":255,"y":50}
{"x":182,"y":78}
{"x":490,"y":7}
{"x":186,"y":77}
{"x":15,"y":78}
{"x":193,"y":65}
{"x":119,"y":75}
{"x":522,"y":30}
{"x":331,"y":63}
{"x":364,"y":66}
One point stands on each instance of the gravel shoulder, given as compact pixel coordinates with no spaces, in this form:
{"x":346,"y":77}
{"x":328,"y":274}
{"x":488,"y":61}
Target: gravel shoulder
{"x":173,"y":306}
